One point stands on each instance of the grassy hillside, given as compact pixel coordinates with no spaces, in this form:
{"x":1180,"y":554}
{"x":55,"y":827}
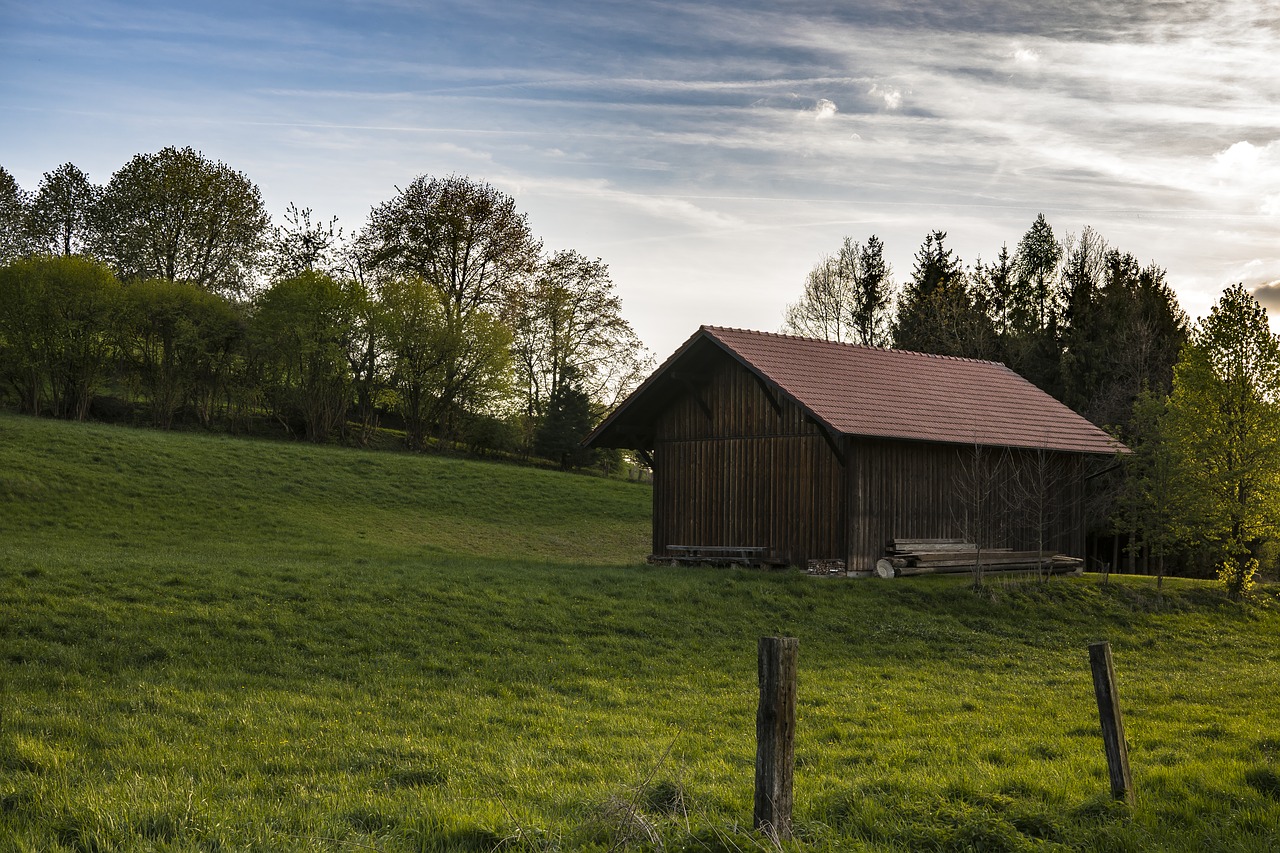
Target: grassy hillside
{"x":219,"y":644}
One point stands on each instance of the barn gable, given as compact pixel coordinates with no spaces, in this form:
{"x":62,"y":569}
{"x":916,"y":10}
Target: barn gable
{"x":729,"y":454}
{"x":820,"y":450}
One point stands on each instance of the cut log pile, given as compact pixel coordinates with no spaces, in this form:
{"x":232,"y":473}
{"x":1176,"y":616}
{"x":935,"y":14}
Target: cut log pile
{"x":908,"y":557}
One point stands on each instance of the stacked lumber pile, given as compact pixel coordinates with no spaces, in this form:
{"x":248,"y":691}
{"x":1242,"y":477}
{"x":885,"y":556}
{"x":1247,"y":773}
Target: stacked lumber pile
{"x":908,"y":557}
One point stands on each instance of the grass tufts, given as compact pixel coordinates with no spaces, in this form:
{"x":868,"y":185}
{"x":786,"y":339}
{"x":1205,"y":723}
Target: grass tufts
{"x":1265,"y":780}
{"x":416,"y":777}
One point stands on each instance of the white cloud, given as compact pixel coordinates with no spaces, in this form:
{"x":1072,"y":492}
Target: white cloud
{"x":824,"y":109}
{"x":892,"y":97}
{"x":1251,"y":173}
{"x":1026,"y":56}
{"x":1237,"y":161}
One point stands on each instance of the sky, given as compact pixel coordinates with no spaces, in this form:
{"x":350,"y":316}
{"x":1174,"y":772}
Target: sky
{"x":710,"y":152}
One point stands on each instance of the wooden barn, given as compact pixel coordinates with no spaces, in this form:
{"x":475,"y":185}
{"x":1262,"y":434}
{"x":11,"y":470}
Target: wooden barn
{"x":803,"y":450}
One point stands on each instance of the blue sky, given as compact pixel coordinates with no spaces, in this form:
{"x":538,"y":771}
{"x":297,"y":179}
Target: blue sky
{"x":709,"y":152}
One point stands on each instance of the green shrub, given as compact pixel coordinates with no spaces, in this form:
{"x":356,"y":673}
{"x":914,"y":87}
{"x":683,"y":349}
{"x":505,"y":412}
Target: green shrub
{"x":1238,"y":577}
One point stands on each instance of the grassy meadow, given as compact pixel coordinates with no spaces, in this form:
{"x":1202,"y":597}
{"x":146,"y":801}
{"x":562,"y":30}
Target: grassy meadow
{"x":218,"y":644}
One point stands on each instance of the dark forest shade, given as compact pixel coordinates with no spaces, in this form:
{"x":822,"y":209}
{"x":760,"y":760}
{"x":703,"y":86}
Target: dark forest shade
{"x":816,"y":450}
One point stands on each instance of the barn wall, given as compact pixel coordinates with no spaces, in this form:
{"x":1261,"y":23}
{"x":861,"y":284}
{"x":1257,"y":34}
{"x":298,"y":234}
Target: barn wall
{"x":1001,"y":498}
{"x":745,"y":476}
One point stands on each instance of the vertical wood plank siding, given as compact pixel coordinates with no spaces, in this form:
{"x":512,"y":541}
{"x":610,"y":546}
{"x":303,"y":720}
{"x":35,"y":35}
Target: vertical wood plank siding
{"x":904,"y":489}
{"x":748,"y":476}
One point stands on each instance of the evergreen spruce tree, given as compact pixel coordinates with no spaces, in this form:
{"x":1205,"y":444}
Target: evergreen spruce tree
{"x":568,"y":420}
{"x":937,"y":312}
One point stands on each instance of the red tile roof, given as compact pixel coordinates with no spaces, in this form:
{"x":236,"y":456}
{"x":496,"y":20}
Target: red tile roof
{"x":859,"y":390}
{"x":897,"y":394}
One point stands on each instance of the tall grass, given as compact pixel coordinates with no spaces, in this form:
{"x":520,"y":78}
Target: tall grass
{"x":220,"y":644}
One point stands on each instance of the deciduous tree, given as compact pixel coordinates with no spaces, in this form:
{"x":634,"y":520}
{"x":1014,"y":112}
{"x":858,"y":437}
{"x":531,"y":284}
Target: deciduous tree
{"x":464,"y":237}
{"x":301,"y":245}
{"x":1034,"y":498}
{"x":979,"y":506}
{"x":1064,"y":358}
{"x":363,"y":355}
{"x":846,"y":297}
{"x":567,"y":319}
{"x":463,"y":244}
{"x":301,"y":329}
{"x":60,"y":211}
{"x":1223,"y":429}
{"x":411,"y":328}
{"x":179,"y":216}
{"x":822,"y":310}
{"x":175,"y":342}
{"x":56,"y":345}
{"x":14,"y":233}
{"x":440,"y":366}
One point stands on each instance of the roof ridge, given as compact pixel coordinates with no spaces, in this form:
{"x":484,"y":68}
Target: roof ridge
{"x":786,"y":336}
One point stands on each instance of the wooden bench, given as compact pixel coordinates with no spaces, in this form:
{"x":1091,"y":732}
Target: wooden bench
{"x":717,"y":555}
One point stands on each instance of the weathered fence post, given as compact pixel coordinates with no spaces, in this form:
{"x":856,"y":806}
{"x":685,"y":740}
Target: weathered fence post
{"x":1104,"y":687}
{"x":775,"y":735}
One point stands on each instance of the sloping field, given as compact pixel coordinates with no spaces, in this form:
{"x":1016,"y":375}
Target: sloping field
{"x":215,"y":644}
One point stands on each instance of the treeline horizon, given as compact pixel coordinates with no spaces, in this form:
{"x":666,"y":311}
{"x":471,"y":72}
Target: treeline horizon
{"x":168,"y":289}
{"x":1084,"y":321}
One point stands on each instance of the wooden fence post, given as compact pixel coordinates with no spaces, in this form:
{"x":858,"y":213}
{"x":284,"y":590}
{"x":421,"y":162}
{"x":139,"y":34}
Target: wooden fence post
{"x":1104,"y":687}
{"x":775,"y":735}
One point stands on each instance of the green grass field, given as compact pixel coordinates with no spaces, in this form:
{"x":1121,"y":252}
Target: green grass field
{"x":220,"y":644}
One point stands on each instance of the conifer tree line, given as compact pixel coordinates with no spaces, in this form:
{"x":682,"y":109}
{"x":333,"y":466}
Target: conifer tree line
{"x":167,"y":295}
{"x":1198,"y":404}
